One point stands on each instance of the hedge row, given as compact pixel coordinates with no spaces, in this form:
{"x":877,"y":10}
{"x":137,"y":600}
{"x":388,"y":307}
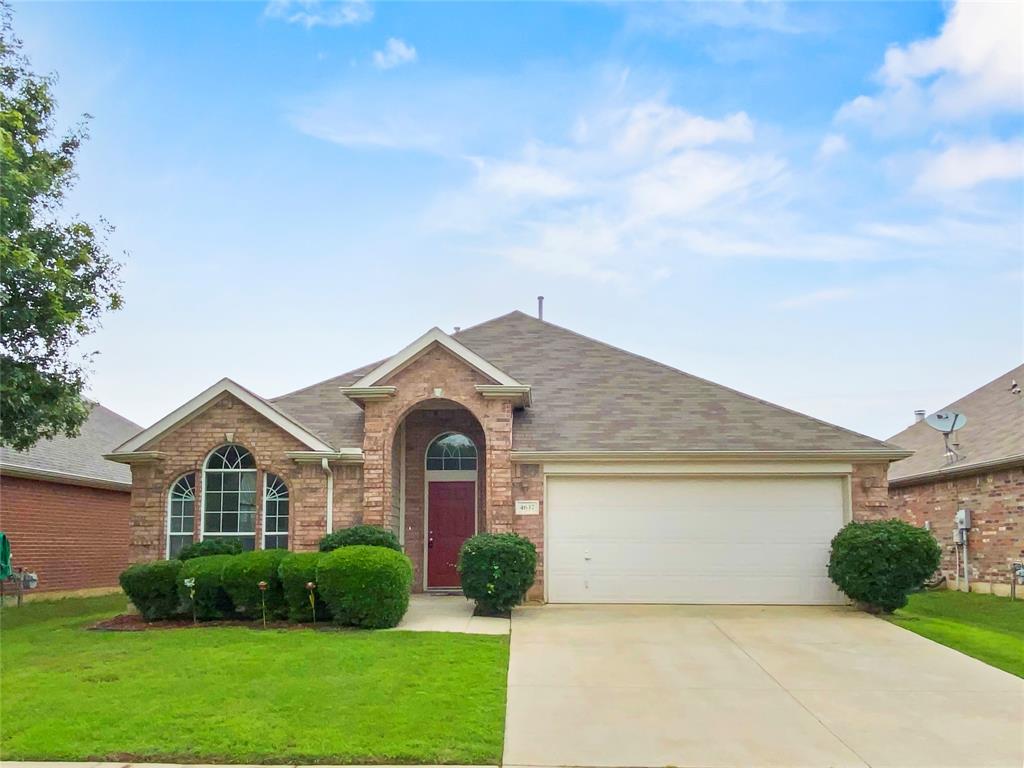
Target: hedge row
{"x":359,"y":586}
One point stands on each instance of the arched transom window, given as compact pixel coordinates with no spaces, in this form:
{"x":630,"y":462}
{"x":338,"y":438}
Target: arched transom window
{"x":229,"y":495}
{"x":181,"y":514}
{"x":451,"y":451}
{"x":275,"y":512}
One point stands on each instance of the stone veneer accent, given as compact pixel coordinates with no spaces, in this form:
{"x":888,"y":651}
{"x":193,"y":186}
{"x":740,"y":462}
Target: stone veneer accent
{"x":996,"y":503}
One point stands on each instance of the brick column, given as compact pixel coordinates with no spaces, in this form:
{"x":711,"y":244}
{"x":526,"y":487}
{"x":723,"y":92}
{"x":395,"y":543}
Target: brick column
{"x":497,"y":424}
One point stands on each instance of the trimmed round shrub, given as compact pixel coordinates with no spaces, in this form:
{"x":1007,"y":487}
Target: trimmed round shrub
{"x":241,"y":578}
{"x":211,"y":599}
{"x":153,"y":588}
{"x":880,"y":562}
{"x":208,"y":547}
{"x":497,"y":569}
{"x":360,"y":535}
{"x":298,"y":569}
{"x":365,"y":586}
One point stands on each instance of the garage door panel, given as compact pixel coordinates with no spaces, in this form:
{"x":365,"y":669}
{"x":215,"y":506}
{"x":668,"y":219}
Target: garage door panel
{"x":693,"y":556}
{"x":689,"y":539}
{"x":695,"y":589}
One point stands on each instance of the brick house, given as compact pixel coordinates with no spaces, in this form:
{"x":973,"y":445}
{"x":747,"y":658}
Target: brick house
{"x":637,"y":482}
{"x":985,"y":476}
{"x":65,"y":508}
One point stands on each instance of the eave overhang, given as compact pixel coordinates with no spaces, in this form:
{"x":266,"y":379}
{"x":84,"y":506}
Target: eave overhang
{"x":345,"y":456}
{"x":64,"y":478}
{"x":536,"y":457}
{"x":518,"y":393}
{"x":135,"y":457}
{"x":954,"y":471}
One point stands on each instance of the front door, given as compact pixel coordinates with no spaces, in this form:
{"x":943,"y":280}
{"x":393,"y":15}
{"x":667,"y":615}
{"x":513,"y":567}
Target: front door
{"x":451,"y":511}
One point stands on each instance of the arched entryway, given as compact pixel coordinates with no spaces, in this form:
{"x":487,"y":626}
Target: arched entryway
{"x":450,"y":512}
{"x":438,"y":489}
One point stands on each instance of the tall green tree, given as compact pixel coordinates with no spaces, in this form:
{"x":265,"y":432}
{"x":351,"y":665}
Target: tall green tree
{"x":57,"y":277}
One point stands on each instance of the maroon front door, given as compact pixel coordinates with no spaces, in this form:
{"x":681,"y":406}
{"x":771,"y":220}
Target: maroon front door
{"x":452,"y":507}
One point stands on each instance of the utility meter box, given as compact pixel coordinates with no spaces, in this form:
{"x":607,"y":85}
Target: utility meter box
{"x":963,"y":518}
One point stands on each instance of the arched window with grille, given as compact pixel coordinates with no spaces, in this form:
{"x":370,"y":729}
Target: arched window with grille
{"x":275,"y":512}
{"x":451,"y":452}
{"x":229,"y":495}
{"x":181,"y":514}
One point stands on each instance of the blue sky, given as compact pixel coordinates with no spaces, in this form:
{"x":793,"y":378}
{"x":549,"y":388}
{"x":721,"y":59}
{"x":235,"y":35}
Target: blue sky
{"x":817,"y":204}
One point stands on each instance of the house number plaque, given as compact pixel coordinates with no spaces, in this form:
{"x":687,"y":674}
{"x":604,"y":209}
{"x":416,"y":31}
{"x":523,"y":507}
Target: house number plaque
{"x":527,"y":507}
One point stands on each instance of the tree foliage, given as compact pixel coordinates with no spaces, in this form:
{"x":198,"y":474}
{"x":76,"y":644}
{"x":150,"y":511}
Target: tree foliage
{"x":57,"y":277}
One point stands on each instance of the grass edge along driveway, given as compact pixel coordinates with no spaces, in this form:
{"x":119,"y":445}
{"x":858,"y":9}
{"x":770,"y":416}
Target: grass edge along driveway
{"x":987,"y":627}
{"x":239,"y":695}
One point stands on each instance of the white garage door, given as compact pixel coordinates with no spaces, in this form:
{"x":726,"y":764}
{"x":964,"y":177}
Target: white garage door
{"x":691,"y":540}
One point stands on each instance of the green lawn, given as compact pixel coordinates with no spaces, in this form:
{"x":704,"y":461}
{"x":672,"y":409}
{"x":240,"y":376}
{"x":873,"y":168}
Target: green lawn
{"x":986,"y":627}
{"x":233,"y":694}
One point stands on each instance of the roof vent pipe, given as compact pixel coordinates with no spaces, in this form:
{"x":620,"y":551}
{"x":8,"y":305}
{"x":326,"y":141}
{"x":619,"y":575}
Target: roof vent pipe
{"x":918,"y":416}
{"x":540,"y":307}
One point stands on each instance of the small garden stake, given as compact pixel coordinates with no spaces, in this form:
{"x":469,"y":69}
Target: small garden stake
{"x":263,"y":600}
{"x":310,"y":586}
{"x":191,"y":584}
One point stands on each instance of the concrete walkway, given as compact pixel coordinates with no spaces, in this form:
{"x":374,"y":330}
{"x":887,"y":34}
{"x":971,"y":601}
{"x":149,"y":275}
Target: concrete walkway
{"x":737,"y":686}
{"x":448,"y":613}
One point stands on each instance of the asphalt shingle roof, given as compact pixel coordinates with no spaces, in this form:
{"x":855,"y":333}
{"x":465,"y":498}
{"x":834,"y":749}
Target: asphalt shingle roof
{"x":590,"y":396}
{"x":994,"y":431}
{"x":80,"y":457}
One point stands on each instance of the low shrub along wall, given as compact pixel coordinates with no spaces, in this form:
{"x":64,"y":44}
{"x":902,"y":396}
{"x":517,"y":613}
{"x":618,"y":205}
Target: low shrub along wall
{"x":497,"y":569}
{"x":208,"y":547}
{"x":211,"y":600}
{"x":153,"y":588}
{"x":360,"y":535}
{"x":880,"y":562}
{"x":242,"y":576}
{"x":298,"y":569}
{"x":365,"y":586}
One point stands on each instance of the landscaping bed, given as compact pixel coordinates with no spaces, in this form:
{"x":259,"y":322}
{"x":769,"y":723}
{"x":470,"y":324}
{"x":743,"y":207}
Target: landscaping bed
{"x":987,"y":627}
{"x":233,"y":692}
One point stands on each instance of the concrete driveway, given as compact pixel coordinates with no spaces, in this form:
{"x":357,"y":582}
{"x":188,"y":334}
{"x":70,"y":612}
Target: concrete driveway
{"x":718,"y":686}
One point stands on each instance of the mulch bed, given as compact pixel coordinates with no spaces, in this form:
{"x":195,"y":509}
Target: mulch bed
{"x":133,"y":622}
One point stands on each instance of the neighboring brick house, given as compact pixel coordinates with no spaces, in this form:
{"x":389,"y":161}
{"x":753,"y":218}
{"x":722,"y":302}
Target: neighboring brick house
{"x":986,"y":477}
{"x":65,"y":508}
{"x":636,"y":482}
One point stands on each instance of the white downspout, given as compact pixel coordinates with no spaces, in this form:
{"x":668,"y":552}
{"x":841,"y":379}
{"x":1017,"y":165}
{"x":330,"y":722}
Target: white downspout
{"x":330,"y":494}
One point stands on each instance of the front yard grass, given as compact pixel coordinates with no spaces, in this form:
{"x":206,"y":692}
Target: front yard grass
{"x":239,"y":695}
{"x":987,"y":627}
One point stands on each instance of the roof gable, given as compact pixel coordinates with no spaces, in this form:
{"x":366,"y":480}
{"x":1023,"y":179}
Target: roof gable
{"x":412,"y":352}
{"x":199,"y":403}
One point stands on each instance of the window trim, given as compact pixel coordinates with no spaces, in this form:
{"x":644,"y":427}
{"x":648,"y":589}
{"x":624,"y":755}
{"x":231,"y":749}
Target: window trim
{"x":170,"y":498}
{"x":203,"y":533}
{"x":263,"y":520}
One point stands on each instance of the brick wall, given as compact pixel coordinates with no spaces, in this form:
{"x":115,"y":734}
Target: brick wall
{"x":417,"y":383}
{"x":528,"y":485}
{"x":73,"y":537}
{"x":996,"y":503}
{"x":869,"y":492}
{"x":228,"y":420}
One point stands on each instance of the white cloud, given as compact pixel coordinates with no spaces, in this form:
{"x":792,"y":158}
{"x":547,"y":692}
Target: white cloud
{"x":833,"y":144}
{"x":823,"y":296}
{"x":964,"y":166}
{"x":972,"y":67}
{"x":315,"y":13}
{"x":396,"y":52}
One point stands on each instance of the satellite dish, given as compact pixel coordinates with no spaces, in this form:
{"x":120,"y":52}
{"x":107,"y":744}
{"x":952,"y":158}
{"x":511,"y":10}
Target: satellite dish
{"x":946,"y":421}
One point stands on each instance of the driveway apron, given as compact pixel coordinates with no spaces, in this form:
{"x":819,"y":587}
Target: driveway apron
{"x":745,"y":686}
